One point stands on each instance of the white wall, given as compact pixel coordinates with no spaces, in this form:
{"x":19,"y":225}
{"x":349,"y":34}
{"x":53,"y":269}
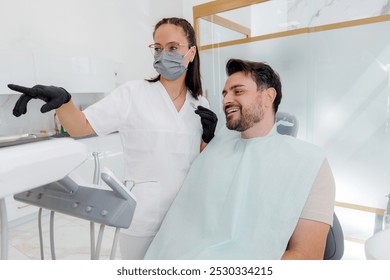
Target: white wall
{"x":117,"y":31}
{"x":187,"y":8}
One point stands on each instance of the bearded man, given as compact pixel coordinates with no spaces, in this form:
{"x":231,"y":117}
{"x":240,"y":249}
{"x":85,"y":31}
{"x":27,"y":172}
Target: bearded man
{"x":252,"y":193}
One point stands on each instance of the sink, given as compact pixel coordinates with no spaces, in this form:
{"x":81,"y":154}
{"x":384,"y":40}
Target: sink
{"x":377,"y":247}
{"x":11,"y":140}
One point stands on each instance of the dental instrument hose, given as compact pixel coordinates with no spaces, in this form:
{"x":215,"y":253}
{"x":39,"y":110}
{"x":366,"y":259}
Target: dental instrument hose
{"x":96,"y":181}
{"x":114,"y":244}
{"x":40,"y":233}
{"x":99,"y":242}
{"x":52,"y":247}
{"x":4,"y":229}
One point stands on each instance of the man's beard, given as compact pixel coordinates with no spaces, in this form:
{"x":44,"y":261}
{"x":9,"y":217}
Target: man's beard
{"x":248,"y":118}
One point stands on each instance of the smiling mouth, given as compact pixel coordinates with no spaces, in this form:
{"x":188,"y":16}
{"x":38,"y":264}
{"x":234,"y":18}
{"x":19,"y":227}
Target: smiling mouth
{"x":231,"y":110}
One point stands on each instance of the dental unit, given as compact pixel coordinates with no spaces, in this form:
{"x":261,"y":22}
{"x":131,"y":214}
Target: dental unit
{"x":26,"y":177}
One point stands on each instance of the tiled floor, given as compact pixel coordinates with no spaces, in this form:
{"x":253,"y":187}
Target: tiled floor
{"x":72,"y":240}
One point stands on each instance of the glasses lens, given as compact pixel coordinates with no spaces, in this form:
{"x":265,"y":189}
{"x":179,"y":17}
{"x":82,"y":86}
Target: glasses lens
{"x":155,"y":49}
{"x":170,"y":48}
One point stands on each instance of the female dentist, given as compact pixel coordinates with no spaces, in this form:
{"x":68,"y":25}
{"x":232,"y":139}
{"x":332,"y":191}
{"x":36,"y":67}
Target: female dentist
{"x":160,"y":132}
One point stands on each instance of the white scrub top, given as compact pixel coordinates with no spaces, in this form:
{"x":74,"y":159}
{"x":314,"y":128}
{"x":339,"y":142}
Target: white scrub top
{"x":159,"y":144}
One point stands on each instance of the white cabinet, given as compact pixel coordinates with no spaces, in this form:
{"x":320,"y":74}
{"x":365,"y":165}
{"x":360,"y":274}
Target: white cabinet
{"x":76,"y":74}
{"x":16,"y":67}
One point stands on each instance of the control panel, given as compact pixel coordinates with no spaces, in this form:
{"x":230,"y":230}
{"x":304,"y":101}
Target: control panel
{"x":112,"y":207}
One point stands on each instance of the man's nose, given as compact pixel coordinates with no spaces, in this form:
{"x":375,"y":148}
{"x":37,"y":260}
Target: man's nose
{"x":228,"y":98}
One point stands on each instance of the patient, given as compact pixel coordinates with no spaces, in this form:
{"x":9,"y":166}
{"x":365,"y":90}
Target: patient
{"x":252,"y":193}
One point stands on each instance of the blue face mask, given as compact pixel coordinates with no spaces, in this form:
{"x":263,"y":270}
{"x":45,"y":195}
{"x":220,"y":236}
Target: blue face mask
{"x":170,"y":65}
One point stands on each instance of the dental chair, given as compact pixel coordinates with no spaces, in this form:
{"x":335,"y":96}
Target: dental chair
{"x":287,"y":124}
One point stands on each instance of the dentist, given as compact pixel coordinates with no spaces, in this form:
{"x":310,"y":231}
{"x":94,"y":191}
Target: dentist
{"x":160,"y":132}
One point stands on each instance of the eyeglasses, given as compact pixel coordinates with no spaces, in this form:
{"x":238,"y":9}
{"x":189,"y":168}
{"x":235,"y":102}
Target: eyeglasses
{"x":170,"y":48}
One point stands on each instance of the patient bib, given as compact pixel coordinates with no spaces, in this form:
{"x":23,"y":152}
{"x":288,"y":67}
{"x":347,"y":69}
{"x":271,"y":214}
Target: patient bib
{"x":241,"y":199}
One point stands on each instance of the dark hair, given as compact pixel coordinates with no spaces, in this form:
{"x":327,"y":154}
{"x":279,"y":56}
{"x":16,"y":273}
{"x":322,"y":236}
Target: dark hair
{"x":192,"y":80}
{"x":262,"y":74}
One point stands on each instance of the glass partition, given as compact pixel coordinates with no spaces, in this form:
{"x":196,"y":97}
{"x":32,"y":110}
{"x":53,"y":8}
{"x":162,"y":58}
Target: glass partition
{"x":335,"y":76}
{"x":249,"y":21}
{"x":223,"y":21}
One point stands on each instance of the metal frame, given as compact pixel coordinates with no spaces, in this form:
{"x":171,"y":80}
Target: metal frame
{"x":208,"y":10}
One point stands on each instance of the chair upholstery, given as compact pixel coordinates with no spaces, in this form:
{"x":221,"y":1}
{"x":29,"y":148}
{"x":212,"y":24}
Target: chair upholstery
{"x":287,"y":124}
{"x":334,"y":248}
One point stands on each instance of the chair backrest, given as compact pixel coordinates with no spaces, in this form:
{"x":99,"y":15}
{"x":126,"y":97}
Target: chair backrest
{"x":287,"y":124}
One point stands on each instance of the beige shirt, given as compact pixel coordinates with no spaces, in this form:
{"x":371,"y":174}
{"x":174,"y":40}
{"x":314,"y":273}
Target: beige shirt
{"x":321,"y":197}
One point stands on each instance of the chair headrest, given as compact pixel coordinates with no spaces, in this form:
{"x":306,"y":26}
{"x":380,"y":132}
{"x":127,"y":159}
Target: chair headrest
{"x":287,"y":124}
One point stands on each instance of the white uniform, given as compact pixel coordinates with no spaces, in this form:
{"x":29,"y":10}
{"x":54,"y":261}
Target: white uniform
{"x":159,"y":144}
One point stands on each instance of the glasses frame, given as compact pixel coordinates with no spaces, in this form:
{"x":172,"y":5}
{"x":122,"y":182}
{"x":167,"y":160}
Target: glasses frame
{"x":152,"y":48}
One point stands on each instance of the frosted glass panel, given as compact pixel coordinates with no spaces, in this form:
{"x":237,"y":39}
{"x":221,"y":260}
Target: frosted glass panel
{"x":258,"y":19}
{"x":337,"y":83}
{"x":216,"y":33}
{"x":276,"y":16}
{"x":288,"y":56}
{"x":351,"y":91}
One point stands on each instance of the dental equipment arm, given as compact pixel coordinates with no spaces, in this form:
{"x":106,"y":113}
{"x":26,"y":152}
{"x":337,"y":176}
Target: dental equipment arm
{"x":119,"y":189}
{"x":113,"y":207}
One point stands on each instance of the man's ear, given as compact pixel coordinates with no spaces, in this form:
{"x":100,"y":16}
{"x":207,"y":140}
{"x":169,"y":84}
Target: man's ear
{"x":270,"y":95}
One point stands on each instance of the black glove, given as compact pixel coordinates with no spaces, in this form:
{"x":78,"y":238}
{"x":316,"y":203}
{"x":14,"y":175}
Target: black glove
{"x":53,"y":96}
{"x":209,"y":122}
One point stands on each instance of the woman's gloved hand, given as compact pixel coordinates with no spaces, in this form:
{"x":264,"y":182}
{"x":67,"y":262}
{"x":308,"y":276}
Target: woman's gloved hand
{"x":209,"y":122}
{"x":53,"y":96}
